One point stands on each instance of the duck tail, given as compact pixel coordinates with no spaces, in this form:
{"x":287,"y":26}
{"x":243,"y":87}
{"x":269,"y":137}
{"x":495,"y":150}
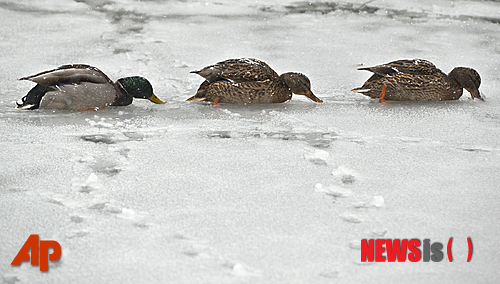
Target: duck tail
{"x":361,"y":90}
{"x":382,"y":70}
{"x":201,"y":94}
{"x":196,"y":99}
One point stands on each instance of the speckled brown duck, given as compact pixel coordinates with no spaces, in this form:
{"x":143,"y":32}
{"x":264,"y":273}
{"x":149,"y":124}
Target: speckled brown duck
{"x":249,"y":81}
{"x":419,"y":80}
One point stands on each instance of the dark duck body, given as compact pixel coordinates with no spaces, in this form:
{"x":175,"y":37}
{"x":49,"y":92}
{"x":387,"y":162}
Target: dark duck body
{"x":419,"y":80}
{"x":83,"y":87}
{"x":249,"y":81}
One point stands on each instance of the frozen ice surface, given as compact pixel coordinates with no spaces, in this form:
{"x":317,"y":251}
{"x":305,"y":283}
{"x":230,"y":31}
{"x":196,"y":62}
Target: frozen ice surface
{"x":190,"y":193}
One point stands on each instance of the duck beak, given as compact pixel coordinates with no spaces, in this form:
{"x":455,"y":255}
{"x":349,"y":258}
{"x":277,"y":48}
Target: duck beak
{"x":156,"y":100}
{"x":311,"y":96}
{"x":29,"y":106}
{"x":476,"y":94}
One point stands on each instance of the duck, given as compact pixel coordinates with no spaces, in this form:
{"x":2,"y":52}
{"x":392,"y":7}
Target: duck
{"x":419,"y":80}
{"x":80,"y":87}
{"x":249,"y":81}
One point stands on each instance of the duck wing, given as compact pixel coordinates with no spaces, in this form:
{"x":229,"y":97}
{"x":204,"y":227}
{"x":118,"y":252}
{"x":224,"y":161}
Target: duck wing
{"x":72,"y":73}
{"x":81,"y":96}
{"x":406,"y":66}
{"x":238,"y":70}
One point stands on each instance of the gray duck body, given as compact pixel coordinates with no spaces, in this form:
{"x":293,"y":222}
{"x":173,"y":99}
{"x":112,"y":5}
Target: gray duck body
{"x":82,"y":87}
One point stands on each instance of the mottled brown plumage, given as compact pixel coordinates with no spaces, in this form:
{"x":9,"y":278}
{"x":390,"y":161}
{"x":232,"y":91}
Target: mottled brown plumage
{"x":419,"y":80}
{"x":249,"y":81}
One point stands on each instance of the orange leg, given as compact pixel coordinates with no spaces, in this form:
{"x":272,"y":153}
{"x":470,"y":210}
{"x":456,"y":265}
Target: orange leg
{"x":216,"y":101}
{"x":382,"y":95}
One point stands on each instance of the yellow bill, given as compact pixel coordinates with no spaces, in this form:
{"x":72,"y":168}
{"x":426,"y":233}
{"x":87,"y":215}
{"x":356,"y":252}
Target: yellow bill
{"x":155,"y":99}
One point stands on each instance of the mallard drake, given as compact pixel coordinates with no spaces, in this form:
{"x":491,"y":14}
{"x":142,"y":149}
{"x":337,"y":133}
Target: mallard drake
{"x":249,"y":81}
{"x":83,"y":87}
{"x":419,"y":80}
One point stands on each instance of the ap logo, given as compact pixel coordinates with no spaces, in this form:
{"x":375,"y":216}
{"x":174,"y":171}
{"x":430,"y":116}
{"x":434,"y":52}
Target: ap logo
{"x":38,"y":248}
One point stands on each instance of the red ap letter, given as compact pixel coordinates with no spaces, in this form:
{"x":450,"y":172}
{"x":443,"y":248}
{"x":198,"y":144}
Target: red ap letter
{"x":23,"y":254}
{"x":44,"y":253}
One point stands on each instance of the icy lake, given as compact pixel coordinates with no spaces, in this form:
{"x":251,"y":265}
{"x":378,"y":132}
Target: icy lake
{"x":192,"y":193}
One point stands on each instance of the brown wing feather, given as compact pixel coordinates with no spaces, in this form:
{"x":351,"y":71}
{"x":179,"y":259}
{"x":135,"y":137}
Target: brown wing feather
{"x":71,"y":73}
{"x":238,"y":70}
{"x":407,"y":66}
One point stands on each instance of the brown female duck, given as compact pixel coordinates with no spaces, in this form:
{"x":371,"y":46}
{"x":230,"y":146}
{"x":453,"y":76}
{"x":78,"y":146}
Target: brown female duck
{"x":249,"y":81}
{"x":419,"y":80}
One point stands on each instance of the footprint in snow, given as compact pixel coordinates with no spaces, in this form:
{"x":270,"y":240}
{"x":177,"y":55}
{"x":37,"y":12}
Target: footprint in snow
{"x":317,"y":157}
{"x":376,"y":201}
{"x":378,"y":233}
{"x":201,"y":251}
{"x":345,"y":175}
{"x":329,"y":274}
{"x":76,"y":219}
{"x":92,"y":183}
{"x":77,"y":234}
{"x":351,"y":218}
{"x":106,"y":207}
{"x":10,"y":279}
{"x":333,"y":190}
{"x":355,"y":244}
{"x":113,"y":137}
{"x":242,"y":270}
{"x":98,"y":138}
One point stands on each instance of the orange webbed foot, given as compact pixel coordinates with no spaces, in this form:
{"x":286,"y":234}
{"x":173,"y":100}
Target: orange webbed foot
{"x":382,"y":95}
{"x":216,"y":101}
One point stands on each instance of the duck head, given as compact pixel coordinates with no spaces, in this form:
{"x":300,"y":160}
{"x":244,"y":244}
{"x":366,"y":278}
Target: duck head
{"x":299,"y":84}
{"x":140,"y":88}
{"x":468,"y":79}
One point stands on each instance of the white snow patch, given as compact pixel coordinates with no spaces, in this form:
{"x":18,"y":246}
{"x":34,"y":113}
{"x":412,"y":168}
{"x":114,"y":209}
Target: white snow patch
{"x":318,"y":156}
{"x":377,"y":201}
{"x":242,"y":270}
